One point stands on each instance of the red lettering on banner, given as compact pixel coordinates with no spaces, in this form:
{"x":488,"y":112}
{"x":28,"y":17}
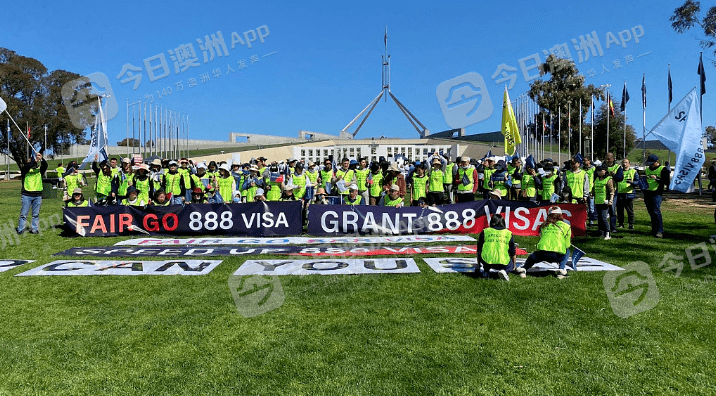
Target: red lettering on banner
{"x":125,"y":221}
{"x":98,"y":225}
{"x":175,"y":220}
{"x":81,"y":224}
{"x":150,"y":222}
{"x":111,"y":224}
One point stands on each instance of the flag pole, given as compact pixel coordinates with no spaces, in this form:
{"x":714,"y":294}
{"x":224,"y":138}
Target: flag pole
{"x":643,"y":105}
{"x":669,"y":109}
{"x":580,"y":126}
{"x":559,"y":135}
{"x":625,"y":121}
{"x":591,"y":142}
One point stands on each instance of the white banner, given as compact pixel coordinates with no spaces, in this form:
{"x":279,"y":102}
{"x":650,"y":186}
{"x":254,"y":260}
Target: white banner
{"x":6,"y":265}
{"x":97,"y":267}
{"x":455,"y":265}
{"x":328,"y":267}
{"x":295,"y":240}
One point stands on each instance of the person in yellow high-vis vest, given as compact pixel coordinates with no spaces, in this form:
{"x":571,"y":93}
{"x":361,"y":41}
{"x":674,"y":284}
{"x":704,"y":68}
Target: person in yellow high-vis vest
{"x":173,"y":183}
{"x":106,"y":187}
{"x":419,"y":185}
{"x":436,"y":187}
{"x":392,"y":198}
{"x":614,"y":170}
{"x":625,"y":195}
{"x":77,"y":200}
{"x":31,"y":192}
{"x":449,"y":172}
{"x":658,"y":179}
{"x":603,"y":192}
{"x":375,"y":180}
{"x":553,"y":246}
{"x":361,"y":173}
{"x":496,"y":249}
{"x":467,"y":181}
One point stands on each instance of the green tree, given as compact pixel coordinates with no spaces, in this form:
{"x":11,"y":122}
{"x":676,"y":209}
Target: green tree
{"x":131,"y":142}
{"x":34,"y":98}
{"x":687,"y":16}
{"x":562,"y":93}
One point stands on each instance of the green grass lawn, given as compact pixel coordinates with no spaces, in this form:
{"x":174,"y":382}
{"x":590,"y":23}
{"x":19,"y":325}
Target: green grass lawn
{"x":423,"y":333}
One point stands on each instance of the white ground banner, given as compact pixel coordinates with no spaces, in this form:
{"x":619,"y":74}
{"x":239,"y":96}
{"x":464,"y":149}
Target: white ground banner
{"x":328,"y":267}
{"x":97,"y":267}
{"x":295,"y":240}
{"x":455,"y":264}
{"x":6,"y":265}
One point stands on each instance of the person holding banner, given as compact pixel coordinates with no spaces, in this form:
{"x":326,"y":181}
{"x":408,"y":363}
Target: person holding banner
{"x":142,"y":182}
{"x":393,"y":198}
{"x":657,"y":178}
{"x":496,"y":250}
{"x":625,"y":195}
{"x":553,"y":246}
{"x":77,"y":200}
{"x":160,"y":198}
{"x":353,"y":198}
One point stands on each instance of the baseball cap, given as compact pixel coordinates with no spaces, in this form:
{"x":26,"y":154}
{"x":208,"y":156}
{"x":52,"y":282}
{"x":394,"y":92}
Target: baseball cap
{"x":652,"y":158}
{"x":555,"y":210}
{"x":395,"y":187}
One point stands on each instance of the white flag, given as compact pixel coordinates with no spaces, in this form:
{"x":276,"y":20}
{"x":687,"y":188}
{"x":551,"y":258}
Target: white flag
{"x":3,"y":105}
{"x":680,"y":131}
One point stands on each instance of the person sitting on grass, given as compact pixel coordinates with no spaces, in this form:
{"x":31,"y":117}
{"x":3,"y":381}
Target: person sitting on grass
{"x":77,"y":200}
{"x":553,"y":246}
{"x":133,"y":198}
{"x":496,"y":249}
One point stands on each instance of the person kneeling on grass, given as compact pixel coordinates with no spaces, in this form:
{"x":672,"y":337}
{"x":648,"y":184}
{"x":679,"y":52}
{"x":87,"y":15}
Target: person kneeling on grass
{"x":553,"y":246}
{"x":496,"y":249}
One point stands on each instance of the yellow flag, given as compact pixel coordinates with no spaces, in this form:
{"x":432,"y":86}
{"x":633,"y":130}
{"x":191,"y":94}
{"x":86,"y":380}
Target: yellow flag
{"x":509,"y":126}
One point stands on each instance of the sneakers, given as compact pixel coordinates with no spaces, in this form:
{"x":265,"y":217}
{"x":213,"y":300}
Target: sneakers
{"x":521,"y":272}
{"x":34,"y":232}
{"x":631,"y":226}
{"x":19,"y":232}
{"x":561,"y":273}
{"x":659,"y":235}
{"x":502,"y":274}
{"x":607,"y":237}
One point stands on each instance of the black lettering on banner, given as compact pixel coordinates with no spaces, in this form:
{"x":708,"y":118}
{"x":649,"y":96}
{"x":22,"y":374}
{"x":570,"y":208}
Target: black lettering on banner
{"x":310,"y":266}
{"x":56,"y":267}
{"x":13,"y":263}
{"x":134,"y":266}
{"x":268,"y":267}
{"x":399,"y":264}
{"x":183,"y":265}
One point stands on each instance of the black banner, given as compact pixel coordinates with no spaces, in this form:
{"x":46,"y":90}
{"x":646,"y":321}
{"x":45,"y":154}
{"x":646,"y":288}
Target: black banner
{"x":245,"y":219}
{"x":522,"y":218}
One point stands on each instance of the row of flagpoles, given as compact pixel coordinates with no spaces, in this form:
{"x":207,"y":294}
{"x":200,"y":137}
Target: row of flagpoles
{"x":160,"y":131}
{"x":522,"y":118}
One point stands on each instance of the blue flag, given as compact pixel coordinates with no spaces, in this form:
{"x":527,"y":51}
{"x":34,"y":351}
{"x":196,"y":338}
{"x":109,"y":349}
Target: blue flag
{"x":680,"y":131}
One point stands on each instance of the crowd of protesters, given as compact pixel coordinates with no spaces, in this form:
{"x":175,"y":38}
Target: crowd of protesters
{"x":606,"y":189}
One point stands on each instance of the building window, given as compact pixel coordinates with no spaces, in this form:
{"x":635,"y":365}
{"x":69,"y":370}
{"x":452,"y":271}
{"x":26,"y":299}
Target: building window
{"x":303,"y":153}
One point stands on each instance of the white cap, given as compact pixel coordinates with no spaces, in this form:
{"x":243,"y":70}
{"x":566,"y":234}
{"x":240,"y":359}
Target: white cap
{"x":555,"y":210}
{"x":465,"y":159}
{"x":259,"y":192}
{"x":225,"y":167}
{"x":353,"y":187}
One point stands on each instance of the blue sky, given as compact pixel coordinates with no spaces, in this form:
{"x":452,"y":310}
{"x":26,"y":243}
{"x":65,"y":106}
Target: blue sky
{"x":319,"y":65}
